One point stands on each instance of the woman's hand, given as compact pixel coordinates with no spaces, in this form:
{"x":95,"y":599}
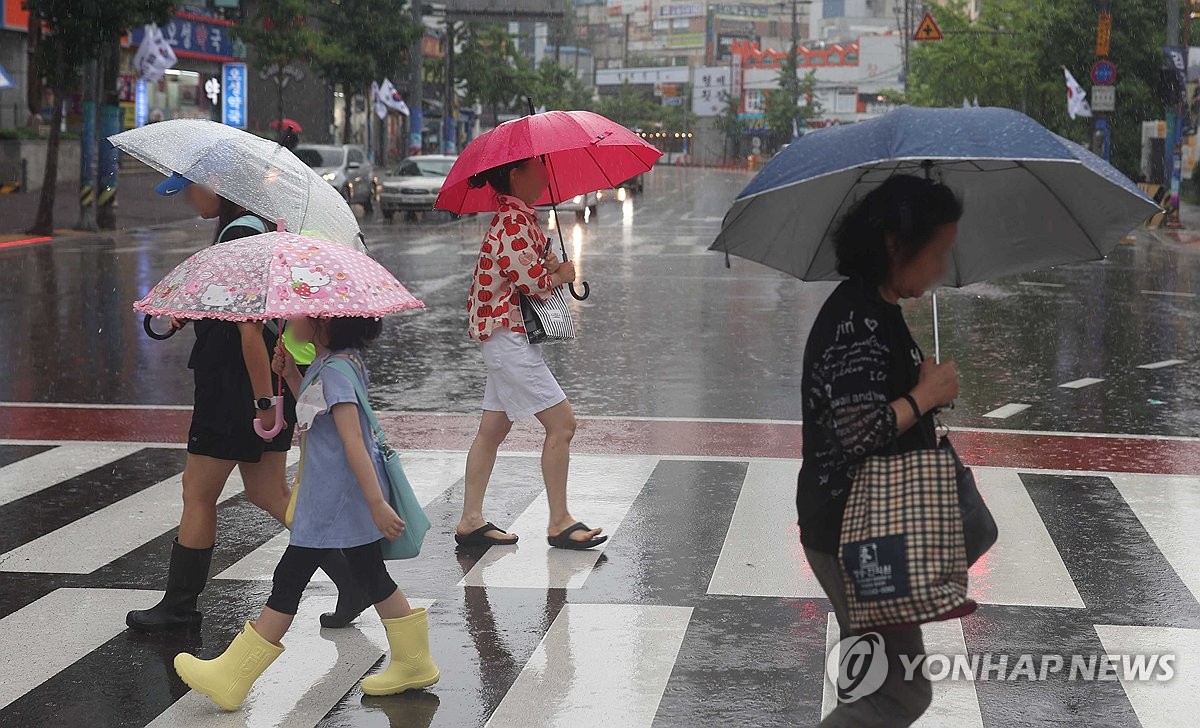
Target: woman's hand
{"x":283,"y":363}
{"x":386,"y":520}
{"x":937,"y":384}
{"x":564,"y":274}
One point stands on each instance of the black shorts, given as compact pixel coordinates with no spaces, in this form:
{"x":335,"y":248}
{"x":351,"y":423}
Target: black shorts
{"x":223,"y":420}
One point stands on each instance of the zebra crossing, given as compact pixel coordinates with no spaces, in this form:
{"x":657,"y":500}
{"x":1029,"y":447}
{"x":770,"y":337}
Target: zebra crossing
{"x":700,"y":609}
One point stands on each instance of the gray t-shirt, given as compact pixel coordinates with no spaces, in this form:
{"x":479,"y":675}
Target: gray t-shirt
{"x":331,"y":511}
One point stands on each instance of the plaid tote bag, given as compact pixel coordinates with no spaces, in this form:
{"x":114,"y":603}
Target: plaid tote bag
{"x":547,"y":319}
{"x":903,"y":555}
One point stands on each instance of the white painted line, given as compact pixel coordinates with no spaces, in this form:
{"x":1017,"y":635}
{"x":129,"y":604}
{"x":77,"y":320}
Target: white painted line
{"x":48,"y":636}
{"x":64,"y":462}
{"x":1024,"y":567}
{"x":1163,"y":364}
{"x":601,"y":490}
{"x":1081,"y":383}
{"x":1008,"y":410}
{"x":1168,"y":507}
{"x":599,"y":664}
{"x":84,"y":545}
{"x":762,"y":556}
{"x":955,"y":701}
{"x":315,"y":671}
{"x":87,"y":405}
{"x":429,"y":474}
{"x":1170,"y":294}
{"x":1039,"y":284}
{"x":1174,"y":702}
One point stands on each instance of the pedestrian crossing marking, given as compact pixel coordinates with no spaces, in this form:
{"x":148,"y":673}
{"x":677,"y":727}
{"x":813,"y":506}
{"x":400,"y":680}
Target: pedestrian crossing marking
{"x":599,"y":664}
{"x":66,"y":461}
{"x":47,"y":636}
{"x":1174,"y":702}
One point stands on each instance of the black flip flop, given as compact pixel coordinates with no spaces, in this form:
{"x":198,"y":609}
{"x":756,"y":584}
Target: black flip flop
{"x":478,"y":537}
{"x":564,"y":540}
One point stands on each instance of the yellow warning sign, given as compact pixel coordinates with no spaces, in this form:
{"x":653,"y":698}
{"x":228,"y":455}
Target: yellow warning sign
{"x":928,"y":29}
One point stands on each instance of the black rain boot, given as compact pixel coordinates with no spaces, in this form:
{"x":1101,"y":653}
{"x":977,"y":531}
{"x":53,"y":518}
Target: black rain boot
{"x":352,"y":600}
{"x":186,"y":579}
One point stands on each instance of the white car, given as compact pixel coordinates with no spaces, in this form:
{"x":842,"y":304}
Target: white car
{"x":414,"y":185}
{"x":581,"y":205}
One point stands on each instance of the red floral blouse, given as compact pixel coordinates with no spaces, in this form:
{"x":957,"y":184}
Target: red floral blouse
{"x":511,"y":261}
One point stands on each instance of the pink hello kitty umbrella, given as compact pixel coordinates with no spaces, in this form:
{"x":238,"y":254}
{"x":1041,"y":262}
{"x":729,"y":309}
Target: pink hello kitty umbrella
{"x":277,"y":275}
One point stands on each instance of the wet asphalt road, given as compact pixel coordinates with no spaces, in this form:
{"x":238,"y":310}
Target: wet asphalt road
{"x":667,"y":332}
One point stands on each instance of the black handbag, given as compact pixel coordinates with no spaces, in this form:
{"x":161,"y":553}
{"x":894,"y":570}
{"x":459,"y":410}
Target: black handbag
{"x":547,"y":319}
{"x":979,"y":527}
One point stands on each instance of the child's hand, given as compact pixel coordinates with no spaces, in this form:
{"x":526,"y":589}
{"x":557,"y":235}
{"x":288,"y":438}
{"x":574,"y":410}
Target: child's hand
{"x":283,"y":363}
{"x":386,"y":520}
{"x":177,"y":324}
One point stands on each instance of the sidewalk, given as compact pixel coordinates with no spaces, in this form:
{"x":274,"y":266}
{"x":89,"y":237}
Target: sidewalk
{"x":137,"y":206}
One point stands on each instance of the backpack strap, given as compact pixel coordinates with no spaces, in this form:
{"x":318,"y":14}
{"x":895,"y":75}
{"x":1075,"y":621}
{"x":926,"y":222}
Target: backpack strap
{"x":251,"y":221}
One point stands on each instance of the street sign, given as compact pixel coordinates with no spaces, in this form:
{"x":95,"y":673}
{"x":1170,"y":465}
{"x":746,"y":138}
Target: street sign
{"x":928,"y":29}
{"x":1104,"y":73}
{"x":1104,"y":98}
{"x":1103,"y":33}
{"x":233,"y":95}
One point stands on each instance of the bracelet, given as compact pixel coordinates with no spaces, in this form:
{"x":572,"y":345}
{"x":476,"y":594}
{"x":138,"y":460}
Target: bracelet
{"x":912,"y":402}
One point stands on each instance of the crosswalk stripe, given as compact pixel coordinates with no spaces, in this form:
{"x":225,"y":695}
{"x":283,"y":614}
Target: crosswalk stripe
{"x":1168,"y":506}
{"x":317,"y":668}
{"x":1008,"y":410}
{"x":64,"y":462}
{"x":1081,"y":383}
{"x":955,"y":701}
{"x":430,"y":474}
{"x":89,"y":543}
{"x":1174,"y":702}
{"x":44,"y":637}
{"x":599,"y":664}
{"x":762,"y":555}
{"x":601,"y":490}
{"x":1024,"y":567}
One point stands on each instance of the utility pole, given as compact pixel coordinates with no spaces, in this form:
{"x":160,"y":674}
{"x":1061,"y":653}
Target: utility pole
{"x":1174,"y":131}
{"x":449,"y":123}
{"x":416,"y":65}
{"x":795,"y":41}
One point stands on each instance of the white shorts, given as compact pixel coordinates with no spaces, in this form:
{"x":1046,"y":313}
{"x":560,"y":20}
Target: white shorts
{"x":519,"y":383}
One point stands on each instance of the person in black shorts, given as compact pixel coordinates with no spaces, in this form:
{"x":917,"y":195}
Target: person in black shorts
{"x":234,"y":385}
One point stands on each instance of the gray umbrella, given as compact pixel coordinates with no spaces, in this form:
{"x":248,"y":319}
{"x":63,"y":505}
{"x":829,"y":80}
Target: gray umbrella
{"x":256,"y":173}
{"x":1032,"y":199}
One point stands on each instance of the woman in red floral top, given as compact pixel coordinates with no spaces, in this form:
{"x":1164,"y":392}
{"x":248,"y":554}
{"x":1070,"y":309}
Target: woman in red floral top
{"x":514,"y":260}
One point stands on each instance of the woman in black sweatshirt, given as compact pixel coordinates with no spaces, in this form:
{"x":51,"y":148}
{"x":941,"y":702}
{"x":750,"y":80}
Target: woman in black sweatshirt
{"x":869,"y":391}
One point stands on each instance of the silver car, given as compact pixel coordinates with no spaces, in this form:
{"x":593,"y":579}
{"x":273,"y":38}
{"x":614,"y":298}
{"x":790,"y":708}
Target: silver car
{"x":414,"y":185}
{"x":344,"y":166}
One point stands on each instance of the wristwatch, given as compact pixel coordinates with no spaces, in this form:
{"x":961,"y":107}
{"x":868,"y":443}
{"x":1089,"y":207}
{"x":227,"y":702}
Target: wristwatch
{"x":265,"y":403}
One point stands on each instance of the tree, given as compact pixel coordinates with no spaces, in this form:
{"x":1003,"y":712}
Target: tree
{"x":495,"y":75}
{"x":279,"y":34}
{"x":784,"y":110}
{"x":730,"y":124}
{"x":1014,"y":53}
{"x":352,"y":52}
{"x":629,"y":108}
{"x":72,"y":32}
{"x":558,"y":88}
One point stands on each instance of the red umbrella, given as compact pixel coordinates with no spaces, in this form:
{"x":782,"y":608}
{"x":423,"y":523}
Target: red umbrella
{"x":583,"y":152}
{"x":295,"y":125}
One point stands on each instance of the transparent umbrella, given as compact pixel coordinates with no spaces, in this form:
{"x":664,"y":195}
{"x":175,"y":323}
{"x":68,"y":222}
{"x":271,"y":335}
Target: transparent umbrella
{"x":256,"y":173}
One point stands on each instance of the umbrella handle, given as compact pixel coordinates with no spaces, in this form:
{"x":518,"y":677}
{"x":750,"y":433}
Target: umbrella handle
{"x":154,"y":334}
{"x":270,"y":434}
{"x":587,"y":291}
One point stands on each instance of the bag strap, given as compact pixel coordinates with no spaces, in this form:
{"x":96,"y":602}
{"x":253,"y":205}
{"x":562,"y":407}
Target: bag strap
{"x":251,"y":221}
{"x":314,"y":370}
{"x":348,"y":367}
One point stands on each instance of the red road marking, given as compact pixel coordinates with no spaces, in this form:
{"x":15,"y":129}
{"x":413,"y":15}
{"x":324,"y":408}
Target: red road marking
{"x":682,"y":438}
{"x":26,"y":241}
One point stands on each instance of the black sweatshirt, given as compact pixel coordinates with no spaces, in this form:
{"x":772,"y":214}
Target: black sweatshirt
{"x":859,"y":358}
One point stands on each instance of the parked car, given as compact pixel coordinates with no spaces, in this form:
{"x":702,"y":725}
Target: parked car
{"x":414,"y":185}
{"x":344,"y":166}
{"x":581,"y":205}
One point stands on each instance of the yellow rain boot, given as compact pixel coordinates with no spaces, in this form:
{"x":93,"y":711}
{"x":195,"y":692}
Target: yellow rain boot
{"x":411,"y":667}
{"x":228,"y":678}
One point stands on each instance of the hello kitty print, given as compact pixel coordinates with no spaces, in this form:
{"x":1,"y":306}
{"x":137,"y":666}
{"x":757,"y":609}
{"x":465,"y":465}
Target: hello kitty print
{"x":277,"y":275}
{"x":511,"y":262}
